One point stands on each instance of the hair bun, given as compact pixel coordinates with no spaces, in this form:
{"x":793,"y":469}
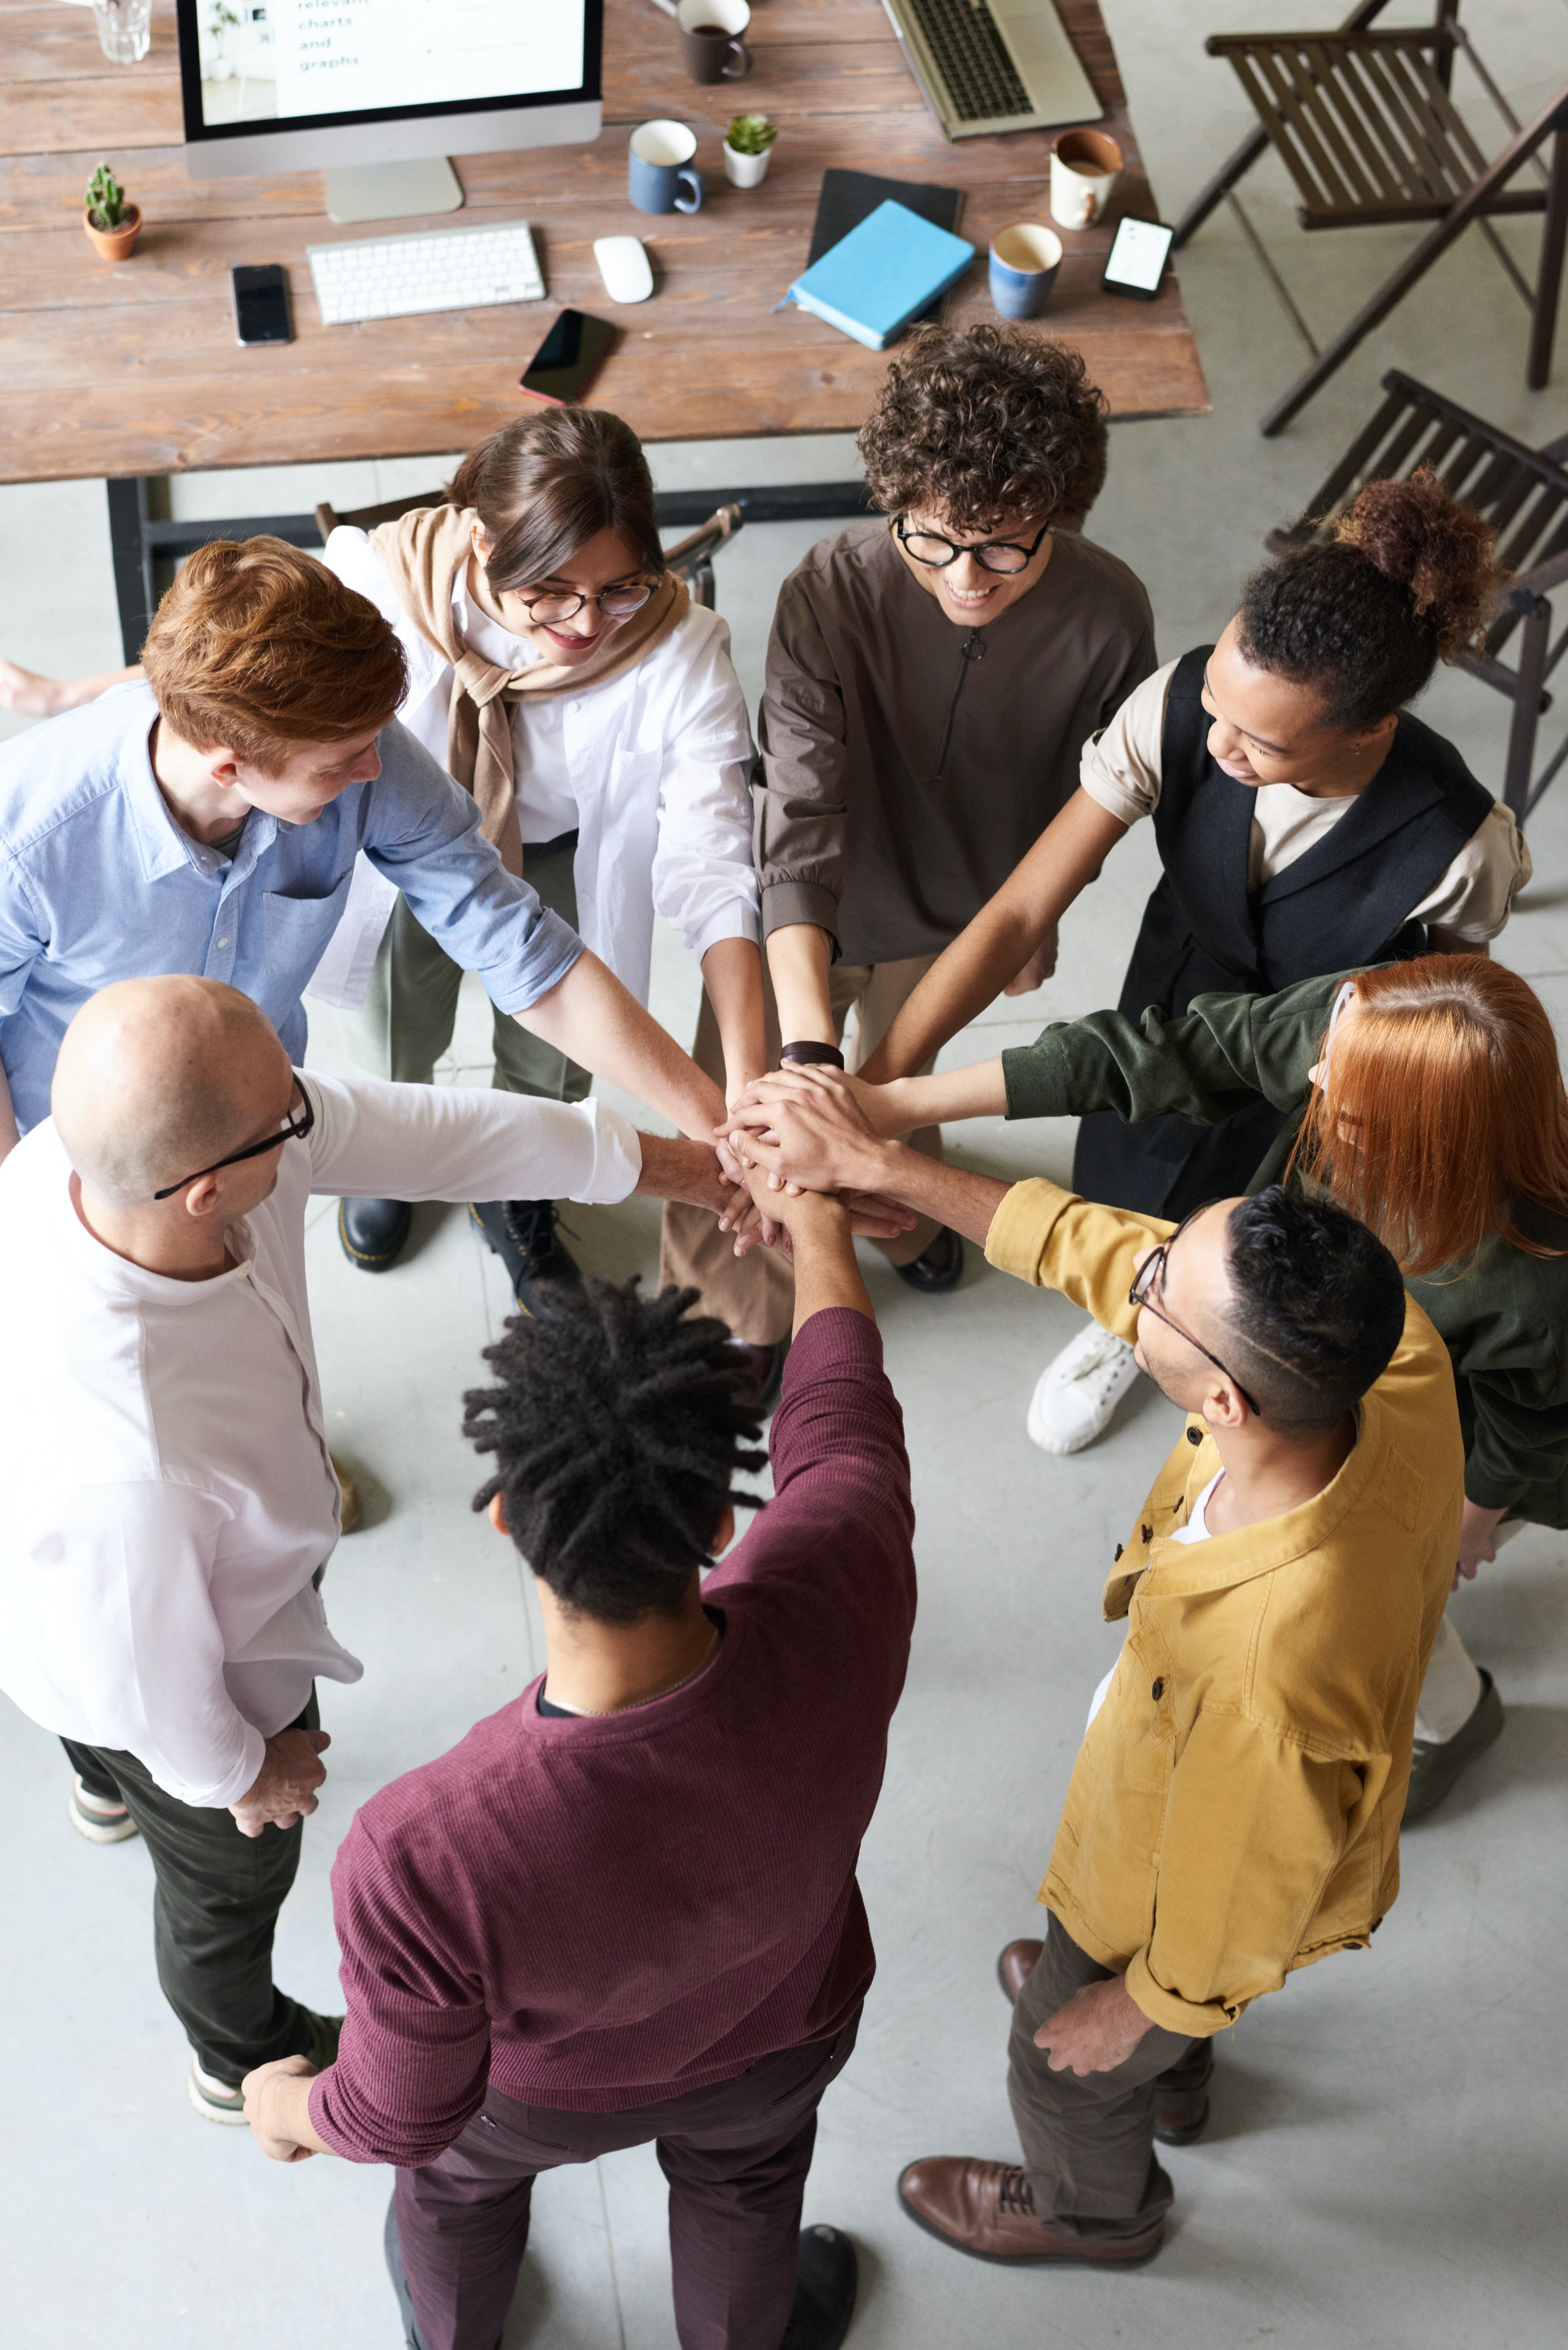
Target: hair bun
{"x":1442,"y":554}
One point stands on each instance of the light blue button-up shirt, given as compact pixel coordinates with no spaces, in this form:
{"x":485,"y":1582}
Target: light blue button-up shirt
{"x":99,"y":883}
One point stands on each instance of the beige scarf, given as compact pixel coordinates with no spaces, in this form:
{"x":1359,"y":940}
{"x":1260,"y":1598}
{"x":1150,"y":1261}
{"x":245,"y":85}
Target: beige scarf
{"x":423,"y":552}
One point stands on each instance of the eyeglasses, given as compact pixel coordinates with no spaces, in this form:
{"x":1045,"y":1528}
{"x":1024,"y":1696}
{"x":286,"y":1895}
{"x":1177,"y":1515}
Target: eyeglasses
{"x":294,"y":1127}
{"x":614,"y":603}
{"x":1003,"y":555}
{"x":1152,"y":1271}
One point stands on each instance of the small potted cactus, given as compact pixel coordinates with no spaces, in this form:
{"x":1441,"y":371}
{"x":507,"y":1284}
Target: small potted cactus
{"x":746,"y":148}
{"x":112,"y":225}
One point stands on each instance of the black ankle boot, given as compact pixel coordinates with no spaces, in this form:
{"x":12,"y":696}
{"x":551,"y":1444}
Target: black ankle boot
{"x":373,"y":1231}
{"x":523,"y":1235}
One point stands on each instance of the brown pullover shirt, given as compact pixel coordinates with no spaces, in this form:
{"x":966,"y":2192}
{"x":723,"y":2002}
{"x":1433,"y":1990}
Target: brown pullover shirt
{"x":908,"y":764}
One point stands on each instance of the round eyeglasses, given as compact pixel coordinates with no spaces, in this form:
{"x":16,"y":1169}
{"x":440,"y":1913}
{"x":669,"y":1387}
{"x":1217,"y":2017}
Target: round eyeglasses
{"x":1150,"y":1276}
{"x":1003,"y":555}
{"x":614,"y":603}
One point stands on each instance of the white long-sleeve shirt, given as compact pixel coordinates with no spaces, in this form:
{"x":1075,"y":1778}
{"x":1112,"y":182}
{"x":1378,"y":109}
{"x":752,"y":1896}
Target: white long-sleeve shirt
{"x":651,"y":769}
{"x":167,"y":1499}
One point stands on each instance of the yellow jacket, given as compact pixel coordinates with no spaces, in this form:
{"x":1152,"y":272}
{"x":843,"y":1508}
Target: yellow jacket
{"x":1234,"y":1811}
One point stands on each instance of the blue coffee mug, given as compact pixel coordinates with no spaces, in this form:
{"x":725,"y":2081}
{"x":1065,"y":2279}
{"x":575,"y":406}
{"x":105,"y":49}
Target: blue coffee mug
{"x":1025,"y":260}
{"x":660,"y":167}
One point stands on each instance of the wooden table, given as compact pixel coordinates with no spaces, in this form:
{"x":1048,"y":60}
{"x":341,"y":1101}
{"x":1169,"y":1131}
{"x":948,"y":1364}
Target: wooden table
{"x":132,"y":369}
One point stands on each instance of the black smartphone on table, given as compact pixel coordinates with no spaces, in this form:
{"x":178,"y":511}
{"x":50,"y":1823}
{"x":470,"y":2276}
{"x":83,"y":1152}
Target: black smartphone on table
{"x":1139,"y":251}
{"x":569,"y":357}
{"x":261,"y":304}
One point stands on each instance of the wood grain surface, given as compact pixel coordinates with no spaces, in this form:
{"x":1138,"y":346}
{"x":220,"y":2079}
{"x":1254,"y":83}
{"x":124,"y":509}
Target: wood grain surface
{"x":132,"y":368}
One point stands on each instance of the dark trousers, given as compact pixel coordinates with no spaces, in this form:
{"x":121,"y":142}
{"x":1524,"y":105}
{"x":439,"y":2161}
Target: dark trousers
{"x":1088,"y":2144}
{"x":216,"y":1904}
{"x":735,"y":2157}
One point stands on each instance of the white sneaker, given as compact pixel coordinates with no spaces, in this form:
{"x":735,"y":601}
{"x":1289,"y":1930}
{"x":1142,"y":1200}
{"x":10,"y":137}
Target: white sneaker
{"x":1079,"y":1390}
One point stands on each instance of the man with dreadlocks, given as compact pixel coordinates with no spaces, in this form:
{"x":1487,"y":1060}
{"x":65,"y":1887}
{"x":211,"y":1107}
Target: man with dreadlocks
{"x":625,"y":1908}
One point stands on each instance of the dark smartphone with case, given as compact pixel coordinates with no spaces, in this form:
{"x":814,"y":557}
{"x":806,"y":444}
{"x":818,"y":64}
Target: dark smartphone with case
{"x":1139,"y":251}
{"x":569,"y":357}
{"x":261,"y":304}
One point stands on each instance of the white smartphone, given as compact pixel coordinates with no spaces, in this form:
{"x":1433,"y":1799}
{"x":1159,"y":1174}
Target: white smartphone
{"x":1139,"y":251}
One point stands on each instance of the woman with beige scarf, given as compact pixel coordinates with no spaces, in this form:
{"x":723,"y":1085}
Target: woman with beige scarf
{"x":562,"y":675}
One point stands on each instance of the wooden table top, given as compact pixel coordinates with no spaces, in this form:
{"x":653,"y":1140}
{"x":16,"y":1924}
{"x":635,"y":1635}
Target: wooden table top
{"x":132,"y":368}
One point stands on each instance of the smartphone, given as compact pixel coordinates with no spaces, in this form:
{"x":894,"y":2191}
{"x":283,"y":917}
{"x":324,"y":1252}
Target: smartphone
{"x":261,"y":304}
{"x":569,"y":357}
{"x":1139,"y":251}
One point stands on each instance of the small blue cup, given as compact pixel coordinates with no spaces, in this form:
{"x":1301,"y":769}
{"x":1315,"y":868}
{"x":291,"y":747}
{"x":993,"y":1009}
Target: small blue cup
{"x":660,"y":167}
{"x":1025,"y":260}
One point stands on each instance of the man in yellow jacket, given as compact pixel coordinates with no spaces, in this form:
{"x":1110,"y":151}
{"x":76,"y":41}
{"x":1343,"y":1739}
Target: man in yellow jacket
{"x":1234,"y":1811}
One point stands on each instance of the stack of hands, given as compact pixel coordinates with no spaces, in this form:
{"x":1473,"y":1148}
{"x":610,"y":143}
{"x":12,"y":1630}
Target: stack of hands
{"x":811,"y":1129}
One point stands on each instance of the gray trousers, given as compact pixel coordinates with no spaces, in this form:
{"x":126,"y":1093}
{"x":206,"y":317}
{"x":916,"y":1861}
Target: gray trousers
{"x":410,"y":1010}
{"x":1088,"y":2144}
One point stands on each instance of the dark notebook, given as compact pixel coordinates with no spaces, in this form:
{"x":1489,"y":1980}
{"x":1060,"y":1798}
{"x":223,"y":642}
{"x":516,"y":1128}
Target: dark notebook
{"x":849,"y":197}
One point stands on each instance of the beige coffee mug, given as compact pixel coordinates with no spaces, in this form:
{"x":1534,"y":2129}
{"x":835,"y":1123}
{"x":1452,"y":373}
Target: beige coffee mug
{"x":1085,"y":167}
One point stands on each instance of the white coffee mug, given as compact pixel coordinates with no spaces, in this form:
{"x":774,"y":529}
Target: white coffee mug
{"x":1085,"y":167}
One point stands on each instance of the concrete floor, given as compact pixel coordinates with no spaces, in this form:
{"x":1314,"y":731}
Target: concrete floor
{"x":1384,"y":2163}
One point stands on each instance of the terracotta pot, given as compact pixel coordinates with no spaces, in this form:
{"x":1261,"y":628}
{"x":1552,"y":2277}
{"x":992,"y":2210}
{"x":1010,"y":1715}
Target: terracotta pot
{"x":115,"y":244}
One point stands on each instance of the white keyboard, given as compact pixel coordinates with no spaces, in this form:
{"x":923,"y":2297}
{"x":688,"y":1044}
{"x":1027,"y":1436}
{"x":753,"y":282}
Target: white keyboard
{"x":444,"y":269}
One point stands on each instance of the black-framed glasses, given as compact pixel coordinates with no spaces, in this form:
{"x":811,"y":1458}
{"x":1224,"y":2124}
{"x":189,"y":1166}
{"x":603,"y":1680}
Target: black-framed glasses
{"x":295,"y":1128}
{"x":614,"y":603}
{"x":1152,"y":1271}
{"x":1003,"y":555}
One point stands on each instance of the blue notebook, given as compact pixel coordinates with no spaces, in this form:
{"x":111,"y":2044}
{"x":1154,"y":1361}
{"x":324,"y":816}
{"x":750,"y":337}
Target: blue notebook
{"x":874,"y":280}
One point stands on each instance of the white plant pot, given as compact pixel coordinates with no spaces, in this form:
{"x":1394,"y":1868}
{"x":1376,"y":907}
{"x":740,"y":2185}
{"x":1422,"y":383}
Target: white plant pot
{"x":745,"y":171}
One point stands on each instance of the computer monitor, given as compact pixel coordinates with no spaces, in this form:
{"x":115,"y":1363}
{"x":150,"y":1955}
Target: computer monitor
{"x":372,"y":90}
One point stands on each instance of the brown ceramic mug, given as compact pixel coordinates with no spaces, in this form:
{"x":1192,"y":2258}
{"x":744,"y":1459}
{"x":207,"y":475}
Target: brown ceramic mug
{"x":710,"y":38}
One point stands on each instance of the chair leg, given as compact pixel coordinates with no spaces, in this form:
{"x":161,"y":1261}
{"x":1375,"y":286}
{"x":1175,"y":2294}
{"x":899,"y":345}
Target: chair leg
{"x":1220,"y":187}
{"x":1526,"y":704}
{"x":1548,"y":284}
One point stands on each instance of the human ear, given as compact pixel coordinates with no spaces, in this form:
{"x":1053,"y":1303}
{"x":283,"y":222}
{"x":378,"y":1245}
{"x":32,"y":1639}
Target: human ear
{"x":496,"y":1510}
{"x":201,"y":1196}
{"x":1222,"y":1408}
{"x":724,"y":1532}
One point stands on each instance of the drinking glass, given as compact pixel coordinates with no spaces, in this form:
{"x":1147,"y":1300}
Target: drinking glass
{"x":124,"y":29}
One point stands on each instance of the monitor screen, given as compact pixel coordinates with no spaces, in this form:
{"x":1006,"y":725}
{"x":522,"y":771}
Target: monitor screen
{"x":314,"y":64}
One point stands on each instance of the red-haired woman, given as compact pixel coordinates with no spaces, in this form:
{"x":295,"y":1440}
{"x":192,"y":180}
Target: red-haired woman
{"x":1306,"y":823}
{"x":1427,"y":1099}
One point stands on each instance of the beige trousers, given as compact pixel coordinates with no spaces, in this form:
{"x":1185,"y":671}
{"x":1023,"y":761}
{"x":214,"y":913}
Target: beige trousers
{"x":756,"y":1294}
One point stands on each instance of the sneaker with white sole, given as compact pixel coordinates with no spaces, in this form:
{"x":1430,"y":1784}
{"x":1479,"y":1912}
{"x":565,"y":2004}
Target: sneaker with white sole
{"x":214,"y":2099}
{"x":1079,"y":1390}
{"x":97,"y":1817}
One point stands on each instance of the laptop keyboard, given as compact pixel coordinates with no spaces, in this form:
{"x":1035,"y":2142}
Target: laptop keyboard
{"x":972,"y":59}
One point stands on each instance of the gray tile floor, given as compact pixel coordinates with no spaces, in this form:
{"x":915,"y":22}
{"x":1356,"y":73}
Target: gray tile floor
{"x":1386,"y":2162}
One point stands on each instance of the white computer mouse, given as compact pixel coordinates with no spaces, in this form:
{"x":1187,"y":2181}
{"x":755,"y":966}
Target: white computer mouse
{"x":623,"y":265}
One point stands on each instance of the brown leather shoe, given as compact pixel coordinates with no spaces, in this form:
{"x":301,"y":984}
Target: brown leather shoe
{"x":1181,"y":2104}
{"x":986,"y":2208}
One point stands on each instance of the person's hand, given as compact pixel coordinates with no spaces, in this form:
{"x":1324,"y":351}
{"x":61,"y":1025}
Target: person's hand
{"x":1097,"y":2031}
{"x":882,"y":1106}
{"x":803,"y":1131}
{"x":284,"y":1788}
{"x":871,"y":1218}
{"x":1039,"y":968}
{"x":272,"y":2110}
{"x":1477,"y":1547}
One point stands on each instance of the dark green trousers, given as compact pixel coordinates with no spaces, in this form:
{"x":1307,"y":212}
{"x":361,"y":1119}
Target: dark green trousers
{"x":216,"y":1904}
{"x":405,"y":1021}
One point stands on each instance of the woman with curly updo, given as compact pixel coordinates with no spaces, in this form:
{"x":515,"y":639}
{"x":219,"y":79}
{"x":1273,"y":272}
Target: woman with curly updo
{"x":931,"y":680}
{"x":1306,"y":822}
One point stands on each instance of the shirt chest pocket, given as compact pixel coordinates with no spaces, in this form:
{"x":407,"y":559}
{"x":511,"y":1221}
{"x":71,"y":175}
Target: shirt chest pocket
{"x":295,"y":930}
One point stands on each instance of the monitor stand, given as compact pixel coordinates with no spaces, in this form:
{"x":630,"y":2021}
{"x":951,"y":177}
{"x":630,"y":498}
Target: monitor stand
{"x":374,"y":192}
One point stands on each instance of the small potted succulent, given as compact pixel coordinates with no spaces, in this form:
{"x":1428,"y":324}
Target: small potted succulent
{"x":112,"y":225}
{"x":746,"y":147}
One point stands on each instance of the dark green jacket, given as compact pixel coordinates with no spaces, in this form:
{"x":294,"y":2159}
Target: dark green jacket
{"x":1503,"y":1317}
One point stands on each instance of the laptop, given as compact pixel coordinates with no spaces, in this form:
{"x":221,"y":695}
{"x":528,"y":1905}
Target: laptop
{"x":994,"y":64}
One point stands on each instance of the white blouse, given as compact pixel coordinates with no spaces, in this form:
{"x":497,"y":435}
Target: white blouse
{"x":652,"y":770}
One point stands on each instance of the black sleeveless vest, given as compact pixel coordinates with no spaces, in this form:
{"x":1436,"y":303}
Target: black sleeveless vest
{"x":1346,"y":902}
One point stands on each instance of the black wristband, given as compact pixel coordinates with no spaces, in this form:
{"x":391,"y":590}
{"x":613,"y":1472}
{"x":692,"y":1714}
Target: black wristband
{"x":809,"y":1051}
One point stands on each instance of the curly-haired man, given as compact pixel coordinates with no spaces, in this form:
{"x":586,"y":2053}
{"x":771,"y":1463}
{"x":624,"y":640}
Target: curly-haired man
{"x":931,"y":680}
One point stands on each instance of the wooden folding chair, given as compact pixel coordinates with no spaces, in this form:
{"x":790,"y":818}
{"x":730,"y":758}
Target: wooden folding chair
{"x":690,"y":558}
{"x":1522,"y":492}
{"x":1364,"y":124}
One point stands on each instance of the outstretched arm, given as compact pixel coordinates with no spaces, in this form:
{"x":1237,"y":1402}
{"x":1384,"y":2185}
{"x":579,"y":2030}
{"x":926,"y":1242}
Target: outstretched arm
{"x":590,"y":1015}
{"x":1002,"y":936}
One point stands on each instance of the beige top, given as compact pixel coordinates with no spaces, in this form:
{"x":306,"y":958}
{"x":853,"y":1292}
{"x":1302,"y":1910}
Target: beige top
{"x":1120,"y":770}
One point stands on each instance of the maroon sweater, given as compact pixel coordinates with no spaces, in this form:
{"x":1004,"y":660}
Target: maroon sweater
{"x":605,"y":1911}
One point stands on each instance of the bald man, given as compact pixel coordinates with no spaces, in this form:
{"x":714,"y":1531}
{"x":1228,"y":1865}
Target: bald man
{"x":166,"y":1503}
